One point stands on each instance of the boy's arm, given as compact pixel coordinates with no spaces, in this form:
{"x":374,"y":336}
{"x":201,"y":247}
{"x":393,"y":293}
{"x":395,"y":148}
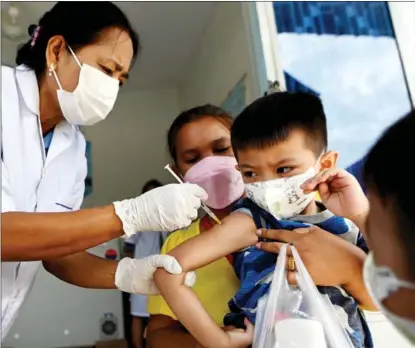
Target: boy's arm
{"x":237,"y":231}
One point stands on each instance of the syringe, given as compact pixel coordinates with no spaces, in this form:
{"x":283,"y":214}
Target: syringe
{"x":204,"y":206}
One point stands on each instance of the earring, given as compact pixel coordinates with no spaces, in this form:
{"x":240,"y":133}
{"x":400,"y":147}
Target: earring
{"x":51,"y":68}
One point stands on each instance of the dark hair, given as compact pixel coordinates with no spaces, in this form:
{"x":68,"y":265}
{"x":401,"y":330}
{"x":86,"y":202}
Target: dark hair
{"x":271,"y":118}
{"x":153,"y":183}
{"x":387,"y":171}
{"x":80,"y":23}
{"x":192,"y":115}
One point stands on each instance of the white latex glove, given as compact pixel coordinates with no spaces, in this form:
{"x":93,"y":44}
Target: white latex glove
{"x":163,"y":209}
{"x":136,"y":276}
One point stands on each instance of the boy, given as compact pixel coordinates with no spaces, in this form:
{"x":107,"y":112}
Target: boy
{"x":279,"y":141}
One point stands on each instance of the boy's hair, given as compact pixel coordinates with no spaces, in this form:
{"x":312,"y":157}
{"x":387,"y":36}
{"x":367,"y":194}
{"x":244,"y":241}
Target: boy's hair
{"x":270,"y":120}
{"x":388,"y":172}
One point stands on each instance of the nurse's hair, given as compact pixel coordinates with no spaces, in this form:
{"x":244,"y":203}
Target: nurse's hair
{"x":195,"y":114}
{"x":80,"y":23}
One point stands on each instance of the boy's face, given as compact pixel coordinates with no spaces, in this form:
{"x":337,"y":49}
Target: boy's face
{"x":284,"y":159}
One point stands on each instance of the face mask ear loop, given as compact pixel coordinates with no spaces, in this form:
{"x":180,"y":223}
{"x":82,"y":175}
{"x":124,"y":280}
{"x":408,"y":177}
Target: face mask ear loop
{"x":75,"y":57}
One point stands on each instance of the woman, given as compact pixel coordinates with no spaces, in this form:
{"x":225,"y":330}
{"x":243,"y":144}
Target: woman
{"x":199,"y":144}
{"x":387,"y":219}
{"x":69,"y":74}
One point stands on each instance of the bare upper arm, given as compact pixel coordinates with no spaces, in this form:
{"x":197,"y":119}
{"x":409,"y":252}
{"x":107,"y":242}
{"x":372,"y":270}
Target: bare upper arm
{"x":237,"y":231}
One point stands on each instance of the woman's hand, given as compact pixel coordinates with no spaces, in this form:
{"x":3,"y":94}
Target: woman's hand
{"x":341,"y":193}
{"x":330,"y":260}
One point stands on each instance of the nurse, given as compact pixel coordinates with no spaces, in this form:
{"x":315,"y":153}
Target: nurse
{"x":69,"y":74}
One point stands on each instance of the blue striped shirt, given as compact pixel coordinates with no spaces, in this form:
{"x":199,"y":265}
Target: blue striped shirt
{"x":254,"y":268}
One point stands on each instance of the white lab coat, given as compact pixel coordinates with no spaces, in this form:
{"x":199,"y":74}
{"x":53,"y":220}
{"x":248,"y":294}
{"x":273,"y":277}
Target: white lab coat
{"x":32,"y":182}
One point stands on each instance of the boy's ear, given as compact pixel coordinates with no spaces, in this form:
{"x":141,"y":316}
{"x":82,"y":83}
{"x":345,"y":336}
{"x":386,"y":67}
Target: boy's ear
{"x":329,"y":160}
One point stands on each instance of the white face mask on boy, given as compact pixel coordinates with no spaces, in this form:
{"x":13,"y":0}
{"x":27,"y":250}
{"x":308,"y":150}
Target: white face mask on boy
{"x":381,"y":283}
{"x":93,"y":98}
{"x":283,"y":198}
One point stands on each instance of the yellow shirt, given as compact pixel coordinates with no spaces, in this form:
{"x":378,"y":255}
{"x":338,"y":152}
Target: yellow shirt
{"x":215,"y":285}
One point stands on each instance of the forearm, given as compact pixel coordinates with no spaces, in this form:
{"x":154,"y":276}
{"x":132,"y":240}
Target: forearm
{"x":84,"y":270}
{"x":356,"y":286}
{"x":188,"y":309}
{"x":42,"y":236}
{"x":360,"y":222}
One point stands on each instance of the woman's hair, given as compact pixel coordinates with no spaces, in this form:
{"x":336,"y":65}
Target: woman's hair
{"x":191,"y":115}
{"x":388,"y":172}
{"x":153,"y":183}
{"x":81,"y":23}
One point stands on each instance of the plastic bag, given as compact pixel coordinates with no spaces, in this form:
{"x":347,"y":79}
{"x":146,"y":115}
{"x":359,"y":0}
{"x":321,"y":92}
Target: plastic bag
{"x":297,"y":316}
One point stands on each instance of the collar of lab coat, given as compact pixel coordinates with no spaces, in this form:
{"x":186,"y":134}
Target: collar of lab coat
{"x":28,"y":85}
{"x":64,"y":133}
{"x":27,"y":82}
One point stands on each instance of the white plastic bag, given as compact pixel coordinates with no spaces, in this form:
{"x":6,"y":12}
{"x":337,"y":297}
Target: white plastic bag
{"x":297,"y":316}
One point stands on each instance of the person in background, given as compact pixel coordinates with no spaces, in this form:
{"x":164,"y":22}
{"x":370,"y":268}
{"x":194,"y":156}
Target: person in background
{"x":386,"y":217}
{"x":142,"y":244}
{"x":200,"y":147}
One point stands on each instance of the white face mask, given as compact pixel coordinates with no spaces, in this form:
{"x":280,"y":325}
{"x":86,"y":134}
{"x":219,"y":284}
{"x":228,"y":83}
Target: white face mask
{"x":381,"y":282}
{"x":93,"y":98}
{"x":283,"y":198}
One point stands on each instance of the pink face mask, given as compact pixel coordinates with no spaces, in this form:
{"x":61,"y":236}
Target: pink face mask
{"x":218,"y":176}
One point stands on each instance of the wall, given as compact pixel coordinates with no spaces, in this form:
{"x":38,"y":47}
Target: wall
{"x":128,"y":149}
{"x":8,"y":52}
{"x":221,"y":60}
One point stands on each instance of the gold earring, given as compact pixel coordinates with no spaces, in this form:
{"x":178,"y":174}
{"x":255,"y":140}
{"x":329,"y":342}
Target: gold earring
{"x":51,"y":68}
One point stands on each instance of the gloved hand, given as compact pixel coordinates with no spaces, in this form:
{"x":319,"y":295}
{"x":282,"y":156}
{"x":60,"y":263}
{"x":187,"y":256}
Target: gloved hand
{"x":163,"y":209}
{"x":136,"y":276}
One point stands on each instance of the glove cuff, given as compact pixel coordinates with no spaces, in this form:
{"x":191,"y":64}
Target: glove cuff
{"x":123,"y":279}
{"x":127,"y":217}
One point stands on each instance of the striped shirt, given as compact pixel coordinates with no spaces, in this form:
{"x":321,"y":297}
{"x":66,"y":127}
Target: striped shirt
{"x":255,"y":267}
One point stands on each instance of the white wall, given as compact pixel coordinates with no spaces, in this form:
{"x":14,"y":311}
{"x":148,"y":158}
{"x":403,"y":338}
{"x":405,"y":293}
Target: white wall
{"x":127,"y":150}
{"x":222,"y":59}
{"x":8,"y":52}
{"x":403,"y":19}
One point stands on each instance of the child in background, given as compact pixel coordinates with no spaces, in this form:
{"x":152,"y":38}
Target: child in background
{"x":143,"y":244}
{"x":279,"y":141}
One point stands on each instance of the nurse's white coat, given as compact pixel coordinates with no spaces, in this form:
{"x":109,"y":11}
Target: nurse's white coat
{"x":32,"y":182}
